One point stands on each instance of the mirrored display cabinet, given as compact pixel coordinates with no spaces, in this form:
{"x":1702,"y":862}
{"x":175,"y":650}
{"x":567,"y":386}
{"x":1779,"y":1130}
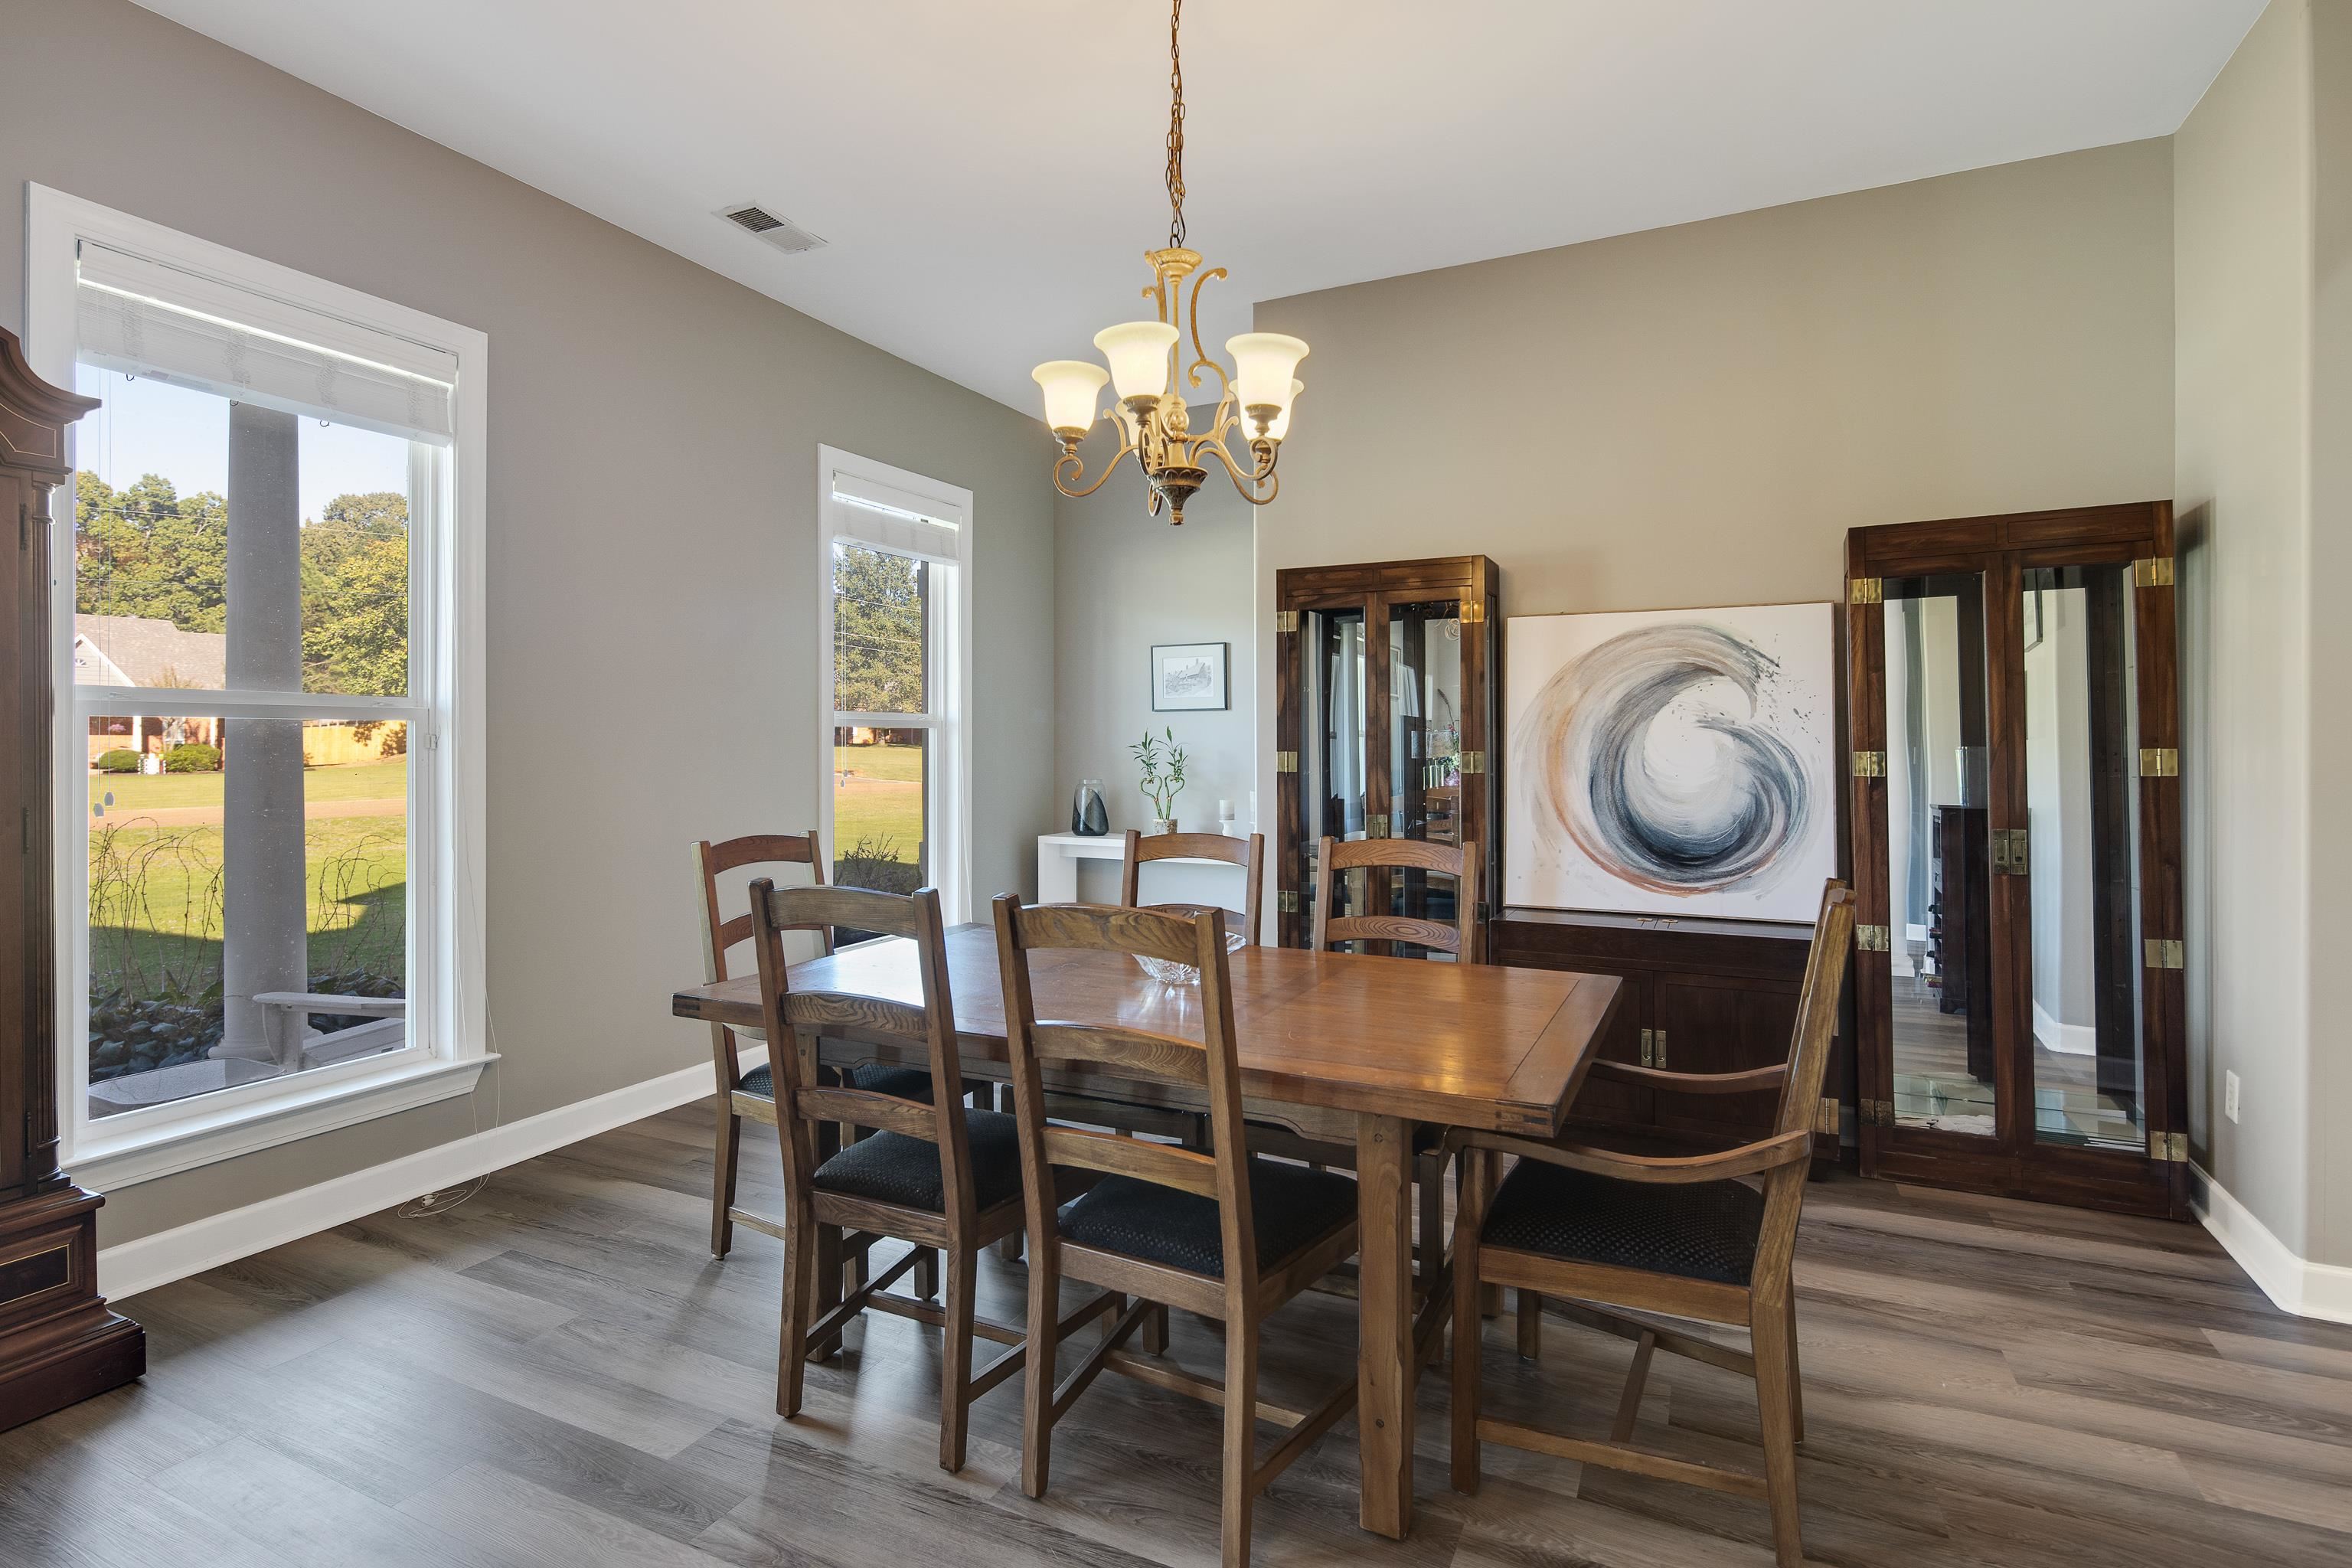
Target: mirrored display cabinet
{"x":1385,"y":711}
{"x":2016,"y":835}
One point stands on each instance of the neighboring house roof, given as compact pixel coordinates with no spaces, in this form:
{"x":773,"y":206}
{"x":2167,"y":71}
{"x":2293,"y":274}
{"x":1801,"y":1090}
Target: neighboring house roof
{"x":132,"y":650}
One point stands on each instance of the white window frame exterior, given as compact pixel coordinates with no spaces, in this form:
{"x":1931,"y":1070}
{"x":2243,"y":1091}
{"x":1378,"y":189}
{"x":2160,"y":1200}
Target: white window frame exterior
{"x":892,"y":502}
{"x":447,"y":1047}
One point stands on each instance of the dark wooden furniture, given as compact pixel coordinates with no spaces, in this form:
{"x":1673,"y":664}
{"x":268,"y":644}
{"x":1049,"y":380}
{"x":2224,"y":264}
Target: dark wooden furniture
{"x":60,"y":1343}
{"x":1678,"y":1236}
{"x":1415,"y":647}
{"x":1249,"y":854}
{"x":946,"y":1179}
{"x":1229,"y":1236}
{"x":1710,"y":997}
{"x":721,"y":934}
{"x":1327,"y":1042}
{"x":2116,"y":564}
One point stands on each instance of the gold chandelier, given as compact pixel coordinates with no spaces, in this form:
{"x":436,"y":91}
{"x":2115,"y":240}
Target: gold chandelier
{"x":1144,"y":356}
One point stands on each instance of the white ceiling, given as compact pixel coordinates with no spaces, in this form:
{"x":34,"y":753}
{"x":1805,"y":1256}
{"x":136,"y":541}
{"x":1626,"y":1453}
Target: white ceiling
{"x":989,"y":171}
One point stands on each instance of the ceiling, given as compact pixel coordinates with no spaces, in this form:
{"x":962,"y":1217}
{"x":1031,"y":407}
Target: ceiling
{"x":988,"y":171}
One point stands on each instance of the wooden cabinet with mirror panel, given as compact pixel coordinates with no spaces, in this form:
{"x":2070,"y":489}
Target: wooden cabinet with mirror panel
{"x":1384,"y":726}
{"x":2016,"y":834}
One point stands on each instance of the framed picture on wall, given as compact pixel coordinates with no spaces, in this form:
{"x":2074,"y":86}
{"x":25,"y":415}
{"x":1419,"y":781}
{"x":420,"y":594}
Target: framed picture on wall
{"x":1187,"y":677}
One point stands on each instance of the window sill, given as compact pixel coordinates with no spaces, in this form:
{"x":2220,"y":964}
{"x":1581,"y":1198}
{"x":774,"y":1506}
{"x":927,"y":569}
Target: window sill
{"x":246,"y":1129}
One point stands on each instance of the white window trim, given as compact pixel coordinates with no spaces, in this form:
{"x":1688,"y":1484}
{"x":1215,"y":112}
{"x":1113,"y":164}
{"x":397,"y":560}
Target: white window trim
{"x":948,"y":651}
{"x":450,"y":1037}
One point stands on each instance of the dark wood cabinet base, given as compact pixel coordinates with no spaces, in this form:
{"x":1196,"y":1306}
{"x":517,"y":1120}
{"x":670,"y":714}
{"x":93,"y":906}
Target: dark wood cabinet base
{"x":60,"y":1343}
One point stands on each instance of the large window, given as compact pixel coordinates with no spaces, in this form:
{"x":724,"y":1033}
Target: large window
{"x":266,"y":625}
{"x":896,"y":626}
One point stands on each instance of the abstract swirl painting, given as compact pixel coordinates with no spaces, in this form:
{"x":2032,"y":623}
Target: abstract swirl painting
{"x":1671,"y":762}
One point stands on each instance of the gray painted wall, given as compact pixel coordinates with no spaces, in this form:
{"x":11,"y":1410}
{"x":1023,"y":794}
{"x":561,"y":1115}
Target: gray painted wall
{"x":653,"y":435}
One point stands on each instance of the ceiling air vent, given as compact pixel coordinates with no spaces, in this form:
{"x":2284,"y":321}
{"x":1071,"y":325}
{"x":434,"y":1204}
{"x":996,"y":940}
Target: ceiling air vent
{"x":782,"y":233}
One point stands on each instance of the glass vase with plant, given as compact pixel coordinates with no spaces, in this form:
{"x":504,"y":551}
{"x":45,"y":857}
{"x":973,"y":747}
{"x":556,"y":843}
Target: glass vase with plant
{"x":1162,"y":760}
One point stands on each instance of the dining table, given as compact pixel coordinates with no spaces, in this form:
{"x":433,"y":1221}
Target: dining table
{"x":1338,"y":1046}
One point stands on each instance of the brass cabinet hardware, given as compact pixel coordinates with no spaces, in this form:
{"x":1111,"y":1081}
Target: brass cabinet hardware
{"x":1658,"y":1041}
{"x":1649,"y":1048}
{"x":1376,"y":824}
{"x":2159,"y":762}
{"x":1472,"y":762}
{"x":1286,"y":620}
{"x":1865,"y":590}
{"x":2165,"y":953}
{"x":1285,"y":761}
{"x":1285,"y":902}
{"x":1870,"y":939}
{"x":1474,"y":614}
{"x":2154,"y":572}
{"x":1870,"y":764}
{"x":2171,"y":1147}
{"x":2012,"y":853}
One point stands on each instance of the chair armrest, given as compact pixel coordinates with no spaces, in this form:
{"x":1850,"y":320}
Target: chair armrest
{"x":1747,"y":1082}
{"x":1748,"y":1160}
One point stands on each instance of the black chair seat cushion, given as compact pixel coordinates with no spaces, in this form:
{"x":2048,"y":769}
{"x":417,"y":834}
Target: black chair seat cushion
{"x":892,"y":1168}
{"x":1699,"y":1230}
{"x":1290,"y":1204}
{"x":906,"y":1083}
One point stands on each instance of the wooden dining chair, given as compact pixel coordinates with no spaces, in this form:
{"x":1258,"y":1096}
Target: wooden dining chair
{"x":935,"y":1172}
{"x":1248,"y":853}
{"x":1226,"y":1234}
{"x":1705,"y":1237}
{"x":752,"y":1094}
{"x":1461,"y":939}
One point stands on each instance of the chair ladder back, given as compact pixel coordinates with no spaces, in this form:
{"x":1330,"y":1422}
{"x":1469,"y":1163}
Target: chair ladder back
{"x":1249,"y":855}
{"x":802,"y":1017}
{"x":1465,"y":938}
{"x":1198,"y":939}
{"x":712,"y":860}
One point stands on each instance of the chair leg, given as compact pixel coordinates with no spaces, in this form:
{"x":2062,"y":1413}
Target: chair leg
{"x":1429,"y":1176}
{"x":1154,"y":1332}
{"x":1490,"y":1172}
{"x":1768,"y":1324}
{"x":955,"y":1357}
{"x":798,"y":1308}
{"x":1467,"y":1329}
{"x":831,"y":1268}
{"x":1037,"y":1371}
{"x":1796,"y":1373}
{"x":1530,"y":1324}
{"x":722,"y":1178}
{"x":926,"y":1272}
{"x":1240,"y":1441}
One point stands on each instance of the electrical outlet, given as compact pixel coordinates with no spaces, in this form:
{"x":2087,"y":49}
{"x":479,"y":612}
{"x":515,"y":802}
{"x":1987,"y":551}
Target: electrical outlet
{"x":2230,"y":1095}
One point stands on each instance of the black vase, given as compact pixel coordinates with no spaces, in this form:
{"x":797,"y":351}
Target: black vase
{"x":1090,"y":819}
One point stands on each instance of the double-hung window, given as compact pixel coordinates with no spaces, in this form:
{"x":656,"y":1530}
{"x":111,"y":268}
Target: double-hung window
{"x":266,"y":631}
{"x":895,"y":565}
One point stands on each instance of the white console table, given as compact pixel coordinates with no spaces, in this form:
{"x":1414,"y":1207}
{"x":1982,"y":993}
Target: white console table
{"x":1058,"y":855}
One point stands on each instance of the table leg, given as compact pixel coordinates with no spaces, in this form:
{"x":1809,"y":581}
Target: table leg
{"x":1384,"y":1360}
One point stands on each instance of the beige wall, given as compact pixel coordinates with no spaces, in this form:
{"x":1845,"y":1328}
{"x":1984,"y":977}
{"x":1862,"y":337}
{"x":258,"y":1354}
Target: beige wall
{"x":652,"y":511}
{"x":1123,"y":582}
{"x":2243,"y":183}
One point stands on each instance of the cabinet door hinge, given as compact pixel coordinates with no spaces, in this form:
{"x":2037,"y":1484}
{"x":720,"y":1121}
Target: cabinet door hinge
{"x":1865,"y":590}
{"x":1285,"y":902}
{"x":2011,"y":852}
{"x":1376,"y":824}
{"x":1472,"y":762}
{"x":2165,"y":953}
{"x":2168,"y":1146}
{"x":2154,"y":572}
{"x":1474,"y":614}
{"x":2159,"y":762}
{"x":1870,"y":764}
{"x":1870,"y":939}
{"x":1285,"y":761}
{"x":1286,"y":620}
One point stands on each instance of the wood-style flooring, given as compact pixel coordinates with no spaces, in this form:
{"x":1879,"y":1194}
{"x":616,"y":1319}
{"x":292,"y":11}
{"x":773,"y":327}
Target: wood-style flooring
{"x":556,"y":1373}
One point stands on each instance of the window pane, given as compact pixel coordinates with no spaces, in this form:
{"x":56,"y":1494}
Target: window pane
{"x":302,"y":584}
{"x":881,"y":782}
{"x":232,"y":862}
{"x":880,"y":602}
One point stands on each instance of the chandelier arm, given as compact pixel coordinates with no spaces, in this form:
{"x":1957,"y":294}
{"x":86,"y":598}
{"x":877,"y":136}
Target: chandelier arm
{"x":1074,"y":468}
{"x":1215,"y":447}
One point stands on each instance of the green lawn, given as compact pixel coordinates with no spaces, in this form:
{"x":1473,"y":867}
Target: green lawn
{"x":881,"y":800}
{"x":156,"y":792}
{"x":155,"y":898}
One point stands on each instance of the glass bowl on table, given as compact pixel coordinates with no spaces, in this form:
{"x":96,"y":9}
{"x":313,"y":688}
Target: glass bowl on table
{"x":1169,"y":973}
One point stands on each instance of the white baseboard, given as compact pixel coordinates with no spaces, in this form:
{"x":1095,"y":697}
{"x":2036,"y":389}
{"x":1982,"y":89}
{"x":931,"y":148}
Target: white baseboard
{"x":2293,"y":1283}
{"x":126,"y":1270}
{"x":2065,"y":1040}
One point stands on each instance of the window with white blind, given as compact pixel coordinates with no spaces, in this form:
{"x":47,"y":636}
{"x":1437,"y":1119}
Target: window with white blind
{"x":268,"y":747}
{"x":895,"y":569}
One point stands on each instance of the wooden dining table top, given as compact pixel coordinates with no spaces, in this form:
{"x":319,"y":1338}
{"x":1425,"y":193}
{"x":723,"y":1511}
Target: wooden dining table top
{"x":1468,"y":1045}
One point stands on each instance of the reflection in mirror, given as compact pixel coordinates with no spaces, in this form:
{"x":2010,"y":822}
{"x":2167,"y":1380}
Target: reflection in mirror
{"x":1938,"y":869}
{"x":2082,"y":812}
{"x":1425,"y":747}
{"x":1331,"y":778}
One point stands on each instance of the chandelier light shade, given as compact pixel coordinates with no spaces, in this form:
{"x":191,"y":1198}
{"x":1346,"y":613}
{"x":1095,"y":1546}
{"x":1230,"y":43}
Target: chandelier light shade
{"x":1149,"y":377}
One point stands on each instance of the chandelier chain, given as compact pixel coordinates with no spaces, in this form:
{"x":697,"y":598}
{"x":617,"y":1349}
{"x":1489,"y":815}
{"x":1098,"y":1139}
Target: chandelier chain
{"x":1175,"y":127}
